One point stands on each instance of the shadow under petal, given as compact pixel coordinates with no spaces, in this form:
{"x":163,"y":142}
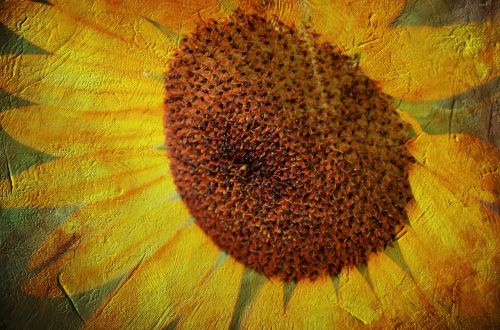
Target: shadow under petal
{"x":445,"y":12}
{"x":474,"y":112}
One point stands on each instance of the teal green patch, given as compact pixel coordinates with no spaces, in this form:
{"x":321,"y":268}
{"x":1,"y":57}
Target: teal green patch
{"x":336,"y":284}
{"x":223,"y":256}
{"x":411,"y":132}
{"x":16,"y":157}
{"x":251,"y":284}
{"x":470,"y":112}
{"x":174,"y":197}
{"x":394,"y":252}
{"x":288,"y":290}
{"x":14,"y":44}
{"x":427,"y":12}
{"x":189,"y":222}
{"x":228,"y":6}
{"x":22,"y":231}
{"x":363,"y":269}
{"x":9,"y":101}
{"x":445,"y":12}
{"x":85,"y":304}
{"x":160,"y":147}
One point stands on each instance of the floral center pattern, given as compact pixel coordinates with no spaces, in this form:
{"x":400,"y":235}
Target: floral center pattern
{"x":285,"y":153}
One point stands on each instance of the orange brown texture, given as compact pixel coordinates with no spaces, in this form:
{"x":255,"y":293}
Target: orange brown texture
{"x":288,"y":157}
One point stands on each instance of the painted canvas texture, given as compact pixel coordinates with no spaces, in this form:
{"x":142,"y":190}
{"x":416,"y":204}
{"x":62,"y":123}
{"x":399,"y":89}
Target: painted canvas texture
{"x":267,"y":164}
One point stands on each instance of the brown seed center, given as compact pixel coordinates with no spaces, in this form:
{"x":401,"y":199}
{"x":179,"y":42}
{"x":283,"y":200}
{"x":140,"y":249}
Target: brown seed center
{"x":287,"y":156}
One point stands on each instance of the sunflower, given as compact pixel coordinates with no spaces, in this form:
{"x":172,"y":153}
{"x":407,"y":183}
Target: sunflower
{"x":364,"y":228}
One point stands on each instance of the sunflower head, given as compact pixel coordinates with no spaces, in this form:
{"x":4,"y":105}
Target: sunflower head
{"x":287,"y":156}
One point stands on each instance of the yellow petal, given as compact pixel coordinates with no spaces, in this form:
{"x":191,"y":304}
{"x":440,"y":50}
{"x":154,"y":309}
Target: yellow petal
{"x":431,"y":62}
{"x":176,"y":17}
{"x":459,"y":295}
{"x":83,"y":31}
{"x":72,"y":133}
{"x":410,"y":62}
{"x":455,"y":226}
{"x":82,"y":179}
{"x":160,"y":285}
{"x":215,"y":298}
{"x":401,"y":299}
{"x":351,"y":23}
{"x":74,"y":84}
{"x":112,"y":236}
{"x":313,"y":306}
{"x":464,"y":164}
{"x":266,"y":308}
{"x":357,"y":297}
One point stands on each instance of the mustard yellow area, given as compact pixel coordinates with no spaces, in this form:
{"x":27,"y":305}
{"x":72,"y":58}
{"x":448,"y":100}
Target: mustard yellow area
{"x":89,"y":30}
{"x":89,"y":66}
{"x":313,"y":305}
{"x":214,"y":299}
{"x":82,"y":179}
{"x":75,"y":85}
{"x":151,"y":294}
{"x":458,"y":295}
{"x":177,"y":17}
{"x":110,"y":238}
{"x":70,"y":133}
{"x":357,"y":297}
{"x":410,"y":62}
{"x":451,"y":249}
{"x":462,"y":228}
{"x":463,"y":163}
{"x":401,"y":300}
{"x":266,"y":308}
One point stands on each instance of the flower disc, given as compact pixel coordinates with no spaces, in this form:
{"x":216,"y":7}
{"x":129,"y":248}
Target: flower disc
{"x":287,"y":156}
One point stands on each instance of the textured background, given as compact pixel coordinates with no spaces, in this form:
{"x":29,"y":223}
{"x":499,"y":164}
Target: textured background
{"x":475,"y":112}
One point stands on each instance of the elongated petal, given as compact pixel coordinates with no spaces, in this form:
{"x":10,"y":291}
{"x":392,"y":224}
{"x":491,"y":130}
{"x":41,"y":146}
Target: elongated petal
{"x":160,"y":285}
{"x":59,"y":81}
{"x":111,"y":237}
{"x":214,"y":300}
{"x":422,"y":62}
{"x":347,"y":21}
{"x":357,"y":297}
{"x":464,"y":229}
{"x":313,"y":306}
{"x":464,"y":164}
{"x":266,"y":308}
{"x":457,"y":271}
{"x":460,"y":297}
{"x":410,"y":62}
{"x":401,"y":299}
{"x":75,"y":30}
{"x":71,"y":133}
{"x":82,"y":179}
{"x":176,"y":18}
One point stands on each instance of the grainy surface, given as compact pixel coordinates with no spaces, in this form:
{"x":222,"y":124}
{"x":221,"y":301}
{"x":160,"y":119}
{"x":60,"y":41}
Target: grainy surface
{"x":94,"y":65}
{"x":287,"y":156}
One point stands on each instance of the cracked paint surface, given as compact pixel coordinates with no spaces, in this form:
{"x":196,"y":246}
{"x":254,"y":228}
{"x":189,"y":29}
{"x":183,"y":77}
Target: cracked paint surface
{"x":93,"y":233}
